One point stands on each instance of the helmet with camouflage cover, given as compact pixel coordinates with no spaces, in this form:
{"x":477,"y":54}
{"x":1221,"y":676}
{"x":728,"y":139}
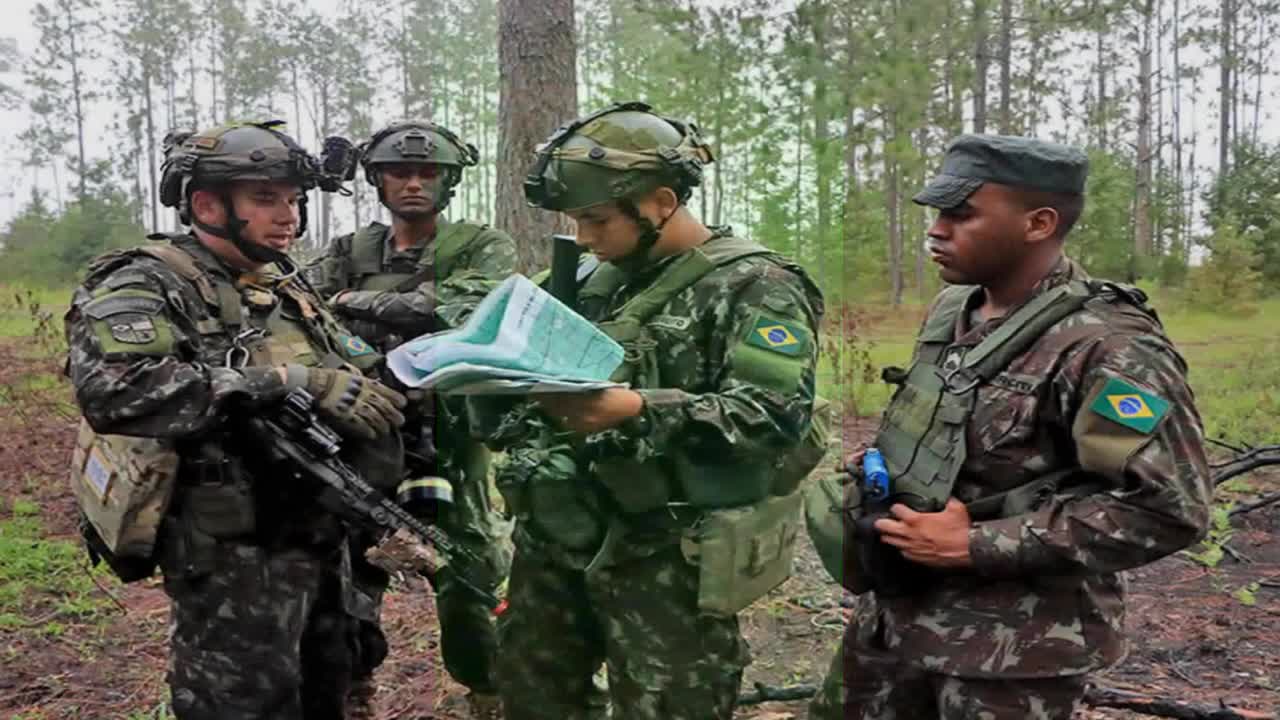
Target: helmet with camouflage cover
{"x":418,"y":141}
{"x":619,"y":153}
{"x":214,"y":159}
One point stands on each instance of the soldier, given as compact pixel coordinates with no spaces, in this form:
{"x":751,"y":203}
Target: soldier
{"x":391,"y":284}
{"x":1043,"y":441}
{"x":180,"y":342}
{"x":614,"y":491}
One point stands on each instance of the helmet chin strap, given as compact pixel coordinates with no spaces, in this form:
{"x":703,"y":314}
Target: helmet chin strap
{"x":649,"y":235}
{"x":232,"y":231}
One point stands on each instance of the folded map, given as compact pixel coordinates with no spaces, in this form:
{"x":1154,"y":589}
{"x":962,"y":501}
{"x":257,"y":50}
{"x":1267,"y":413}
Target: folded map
{"x":519,"y":340}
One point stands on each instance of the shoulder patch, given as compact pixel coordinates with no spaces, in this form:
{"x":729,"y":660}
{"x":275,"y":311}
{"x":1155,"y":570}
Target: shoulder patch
{"x":1125,"y":404}
{"x":354,"y":345}
{"x":781,"y":336}
{"x":678,"y":323}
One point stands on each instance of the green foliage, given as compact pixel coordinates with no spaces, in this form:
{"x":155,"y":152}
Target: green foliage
{"x":1229,"y":280}
{"x":1246,"y":200}
{"x":1211,"y":551}
{"x":37,"y":571}
{"x":1101,"y":240}
{"x":41,"y":248}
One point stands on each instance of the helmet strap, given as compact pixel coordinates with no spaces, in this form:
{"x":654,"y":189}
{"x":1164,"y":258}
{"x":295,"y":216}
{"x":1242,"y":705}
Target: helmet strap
{"x":649,"y":235}
{"x":233,"y":231}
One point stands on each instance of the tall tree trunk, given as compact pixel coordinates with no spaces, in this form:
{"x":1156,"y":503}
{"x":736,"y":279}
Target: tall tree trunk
{"x":151,"y":148}
{"x":893,"y":204}
{"x":1102,"y":111}
{"x":824,"y":168}
{"x":77,"y":95}
{"x":1142,"y":235}
{"x":1224,"y":86}
{"x":1006,"y":59}
{"x":538,"y":93}
{"x":981,"y":57}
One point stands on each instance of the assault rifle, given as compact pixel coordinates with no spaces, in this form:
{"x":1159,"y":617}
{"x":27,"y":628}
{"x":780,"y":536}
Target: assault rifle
{"x":296,"y":439}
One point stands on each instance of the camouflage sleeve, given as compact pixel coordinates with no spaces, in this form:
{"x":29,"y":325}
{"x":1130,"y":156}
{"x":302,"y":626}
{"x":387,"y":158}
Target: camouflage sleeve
{"x":489,"y":260}
{"x":1135,"y":427}
{"x":764,"y":368}
{"x":128,"y":361}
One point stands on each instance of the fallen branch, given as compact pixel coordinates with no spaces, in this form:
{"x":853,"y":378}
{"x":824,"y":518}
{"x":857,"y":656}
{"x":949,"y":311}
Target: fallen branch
{"x":1246,"y":461}
{"x":1261,"y":502}
{"x":1099,"y":696}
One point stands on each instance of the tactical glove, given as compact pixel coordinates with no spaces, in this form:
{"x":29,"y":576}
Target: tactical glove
{"x":357,"y":406}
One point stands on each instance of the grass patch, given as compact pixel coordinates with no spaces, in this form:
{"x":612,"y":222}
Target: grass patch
{"x":1234,"y":364}
{"x":45,"y":578}
{"x":23,"y":309}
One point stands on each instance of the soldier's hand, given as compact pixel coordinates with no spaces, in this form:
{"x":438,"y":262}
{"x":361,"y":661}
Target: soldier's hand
{"x":851,"y":470}
{"x":939,"y":540}
{"x":593,"y":411}
{"x":356,"y":405}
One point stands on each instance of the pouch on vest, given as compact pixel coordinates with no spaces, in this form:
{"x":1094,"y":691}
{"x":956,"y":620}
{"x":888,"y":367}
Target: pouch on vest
{"x":825,"y":504}
{"x":541,"y":488}
{"x":123,"y":486}
{"x":742,"y":553}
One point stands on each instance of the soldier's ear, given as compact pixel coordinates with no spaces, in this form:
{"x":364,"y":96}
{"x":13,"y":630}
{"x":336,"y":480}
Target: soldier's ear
{"x":1042,"y":224}
{"x":207,"y":207}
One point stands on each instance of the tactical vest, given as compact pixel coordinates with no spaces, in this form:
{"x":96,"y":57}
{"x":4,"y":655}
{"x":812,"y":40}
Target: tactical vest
{"x":366,"y":272}
{"x":923,"y":435}
{"x":123,"y":484}
{"x":743,"y":535}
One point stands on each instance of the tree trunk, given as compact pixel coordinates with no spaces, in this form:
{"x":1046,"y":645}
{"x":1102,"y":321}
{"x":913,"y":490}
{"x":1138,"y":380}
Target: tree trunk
{"x":1224,"y":86}
{"x":1142,"y":236}
{"x":1006,"y":58}
{"x":1101,"y":102}
{"x":824,"y":168}
{"x":981,"y":56}
{"x":151,"y":148}
{"x":893,"y":203}
{"x":538,"y":93}
{"x":82,"y":169}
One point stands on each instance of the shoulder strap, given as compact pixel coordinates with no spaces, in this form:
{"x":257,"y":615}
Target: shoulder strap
{"x":449,"y":244}
{"x":940,"y":326}
{"x":219,"y":294}
{"x":683,"y":272}
{"x":366,"y":249}
{"x":1023,"y":328}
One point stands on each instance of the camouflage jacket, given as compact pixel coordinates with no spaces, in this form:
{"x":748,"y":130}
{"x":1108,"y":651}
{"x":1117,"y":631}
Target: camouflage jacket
{"x":149,"y":348}
{"x":721,"y":396}
{"x":457,"y":284}
{"x":1046,"y":595}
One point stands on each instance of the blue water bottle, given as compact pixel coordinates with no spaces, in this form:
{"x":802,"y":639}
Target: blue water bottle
{"x":875,"y":475}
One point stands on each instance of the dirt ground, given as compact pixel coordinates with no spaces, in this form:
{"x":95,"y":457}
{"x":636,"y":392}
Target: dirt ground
{"x":1192,"y":640}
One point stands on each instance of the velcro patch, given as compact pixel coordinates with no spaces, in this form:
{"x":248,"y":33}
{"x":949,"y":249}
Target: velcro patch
{"x":354,"y":345}
{"x":1125,"y":404}
{"x":133,"y":328}
{"x":780,"y":336}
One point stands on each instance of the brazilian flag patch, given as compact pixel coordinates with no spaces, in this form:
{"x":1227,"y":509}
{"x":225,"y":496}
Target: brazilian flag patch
{"x":779,"y":336}
{"x":1125,"y":404}
{"x":354,"y":345}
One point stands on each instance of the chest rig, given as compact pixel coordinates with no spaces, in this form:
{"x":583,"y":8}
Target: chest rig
{"x":923,"y":435}
{"x":266,"y":326}
{"x":368,"y":267}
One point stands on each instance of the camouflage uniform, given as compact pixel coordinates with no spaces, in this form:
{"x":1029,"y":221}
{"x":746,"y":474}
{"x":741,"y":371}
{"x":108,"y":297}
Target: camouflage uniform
{"x":596,"y":580}
{"x":386,"y":317}
{"x":257,"y":574}
{"x":389,"y":296}
{"x":1044,"y":602}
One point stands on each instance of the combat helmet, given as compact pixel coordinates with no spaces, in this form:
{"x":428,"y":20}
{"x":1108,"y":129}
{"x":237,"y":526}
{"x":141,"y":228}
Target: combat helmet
{"x":618,"y":153}
{"x":213,"y":159}
{"x":418,"y":141}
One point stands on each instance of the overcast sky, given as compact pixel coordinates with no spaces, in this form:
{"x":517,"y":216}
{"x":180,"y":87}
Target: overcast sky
{"x":15,"y":183}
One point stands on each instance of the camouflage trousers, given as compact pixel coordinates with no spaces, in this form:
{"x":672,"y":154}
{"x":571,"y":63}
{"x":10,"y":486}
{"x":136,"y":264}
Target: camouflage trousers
{"x":468,"y":638}
{"x":866,"y":682}
{"x":664,"y":660}
{"x":263,"y":634}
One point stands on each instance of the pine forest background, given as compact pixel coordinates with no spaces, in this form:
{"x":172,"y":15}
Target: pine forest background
{"x":826,"y":115}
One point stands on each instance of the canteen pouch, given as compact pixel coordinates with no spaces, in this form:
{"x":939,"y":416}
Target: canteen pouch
{"x":828,"y":507}
{"x":637,"y":486}
{"x":542,"y":490}
{"x":742,"y":553}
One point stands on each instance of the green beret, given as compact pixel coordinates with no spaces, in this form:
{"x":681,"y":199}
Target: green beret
{"x":1019,"y":162}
